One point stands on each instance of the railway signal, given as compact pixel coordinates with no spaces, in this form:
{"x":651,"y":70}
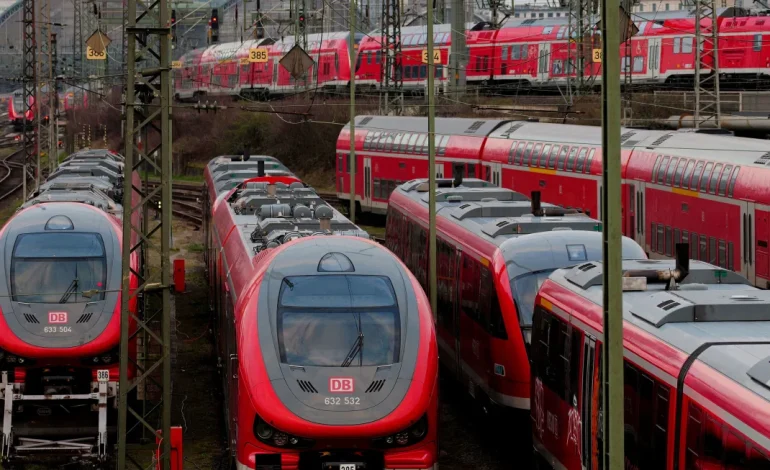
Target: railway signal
{"x":214,"y":25}
{"x":173,"y":26}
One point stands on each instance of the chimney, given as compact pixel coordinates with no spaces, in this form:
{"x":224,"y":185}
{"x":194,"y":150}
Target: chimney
{"x":260,"y":168}
{"x":458,"y":174}
{"x":271,"y":189}
{"x":536,"y":208}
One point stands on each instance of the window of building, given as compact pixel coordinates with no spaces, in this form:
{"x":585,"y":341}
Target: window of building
{"x":667,"y":6}
{"x":654,"y":7}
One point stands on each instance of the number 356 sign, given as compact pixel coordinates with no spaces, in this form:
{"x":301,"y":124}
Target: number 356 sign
{"x":93,"y":55}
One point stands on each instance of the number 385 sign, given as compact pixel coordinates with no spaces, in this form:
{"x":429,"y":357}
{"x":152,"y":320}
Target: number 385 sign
{"x":93,"y":55}
{"x":258,"y":54}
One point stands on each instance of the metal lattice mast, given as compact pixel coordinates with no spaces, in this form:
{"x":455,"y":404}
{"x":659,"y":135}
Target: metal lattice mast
{"x":147,"y":115}
{"x":44,"y":80}
{"x":580,"y":46}
{"x":53,"y":156}
{"x":30,"y":79}
{"x":78,"y":46}
{"x":392,"y":96}
{"x":706,"y":47}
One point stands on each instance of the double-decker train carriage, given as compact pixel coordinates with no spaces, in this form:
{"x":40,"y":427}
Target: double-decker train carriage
{"x":696,"y":367}
{"x":328,"y":352}
{"x":494,"y":249}
{"x":677,"y":186}
{"x":60,"y":327}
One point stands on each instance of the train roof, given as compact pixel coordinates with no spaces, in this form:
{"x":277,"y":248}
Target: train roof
{"x":451,"y":126}
{"x":524,"y":230}
{"x":710,"y":305}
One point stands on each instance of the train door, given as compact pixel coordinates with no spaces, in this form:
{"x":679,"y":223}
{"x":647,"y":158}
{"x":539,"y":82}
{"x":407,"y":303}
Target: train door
{"x":639,"y":231}
{"x":653,"y":58}
{"x":755,"y":241}
{"x":545,"y":54}
{"x":367,"y":182}
{"x":629,"y":211}
{"x":589,"y":374}
{"x":494,"y":173}
{"x":456,"y":312}
{"x":439,"y":167}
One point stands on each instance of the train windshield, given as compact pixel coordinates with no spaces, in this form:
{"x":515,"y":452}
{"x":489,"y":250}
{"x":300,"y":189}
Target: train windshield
{"x":58,"y":268}
{"x":525,"y":289}
{"x":358,"y":325}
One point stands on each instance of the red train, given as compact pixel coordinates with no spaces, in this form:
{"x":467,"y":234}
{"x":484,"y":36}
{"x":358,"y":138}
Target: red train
{"x":326,"y":340}
{"x":17,"y":114}
{"x":696,"y":368}
{"x":526,"y":53}
{"x":494,"y":249}
{"x":710,"y":190}
{"x":60,"y":327}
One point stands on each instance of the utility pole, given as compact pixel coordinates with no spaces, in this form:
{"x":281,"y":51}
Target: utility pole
{"x":352,"y":55}
{"x":53,"y":159}
{"x":580,"y":43}
{"x":431,"y":162}
{"x":147,"y":115}
{"x":44,"y":89}
{"x":707,"y":106}
{"x":392,"y":92}
{"x":458,"y":56}
{"x":30,"y":80}
{"x":612,"y":293}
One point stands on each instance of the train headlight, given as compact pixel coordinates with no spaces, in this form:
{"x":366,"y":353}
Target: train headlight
{"x":409,"y":436}
{"x":276,"y":438}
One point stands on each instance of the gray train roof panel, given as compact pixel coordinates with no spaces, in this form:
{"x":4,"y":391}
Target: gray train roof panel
{"x":446,"y":126}
{"x":504,"y":218}
{"x":714,"y":306}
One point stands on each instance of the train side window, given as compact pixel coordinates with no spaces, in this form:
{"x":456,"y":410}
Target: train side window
{"x":552,"y":158}
{"x":422,"y":144}
{"x":527,"y":154}
{"x":705,"y":178}
{"x":519,"y":153}
{"x":653,"y":236}
{"x":590,"y":160}
{"x":397,"y":142}
{"x":677,"y":45}
{"x":724,"y":179}
{"x":679,"y":171}
{"x":687,"y":174}
{"x":535,"y":155}
{"x":570,"y":166}
{"x":558,"y":358}
{"x":471,"y":170}
{"x":412,"y":142}
{"x":757,"y":42}
{"x":715,"y":178}
{"x":444,"y":144}
{"x":668,"y":241}
{"x":722,"y":254}
{"x":687,"y":45}
{"x":660,"y":439}
{"x":712,"y":250}
{"x":544,"y":156}
{"x":735,"y":452}
{"x":730,"y":259}
{"x":677,"y":234}
{"x":562,"y":157}
{"x":661,"y":239}
{"x":662,"y":172}
{"x":656,"y":167}
{"x":510,"y":153}
{"x":446,"y":284}
{"x":733,"y":178}
{"x":696,"y":176}
{"x":490,"y":304}
{"x":469,"y":290}
{"x":694,"y":442}
{"x":712,"y":440}
{"x":704,"y":249}
{"x":670,"y":171}
{"x":581,"y":160}
{"x":693,"y":246}
{"x":377,"y":194}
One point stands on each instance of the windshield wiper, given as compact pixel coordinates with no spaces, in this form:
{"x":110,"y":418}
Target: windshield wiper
{"x":355,"y":350}
{"x":70,"y":290}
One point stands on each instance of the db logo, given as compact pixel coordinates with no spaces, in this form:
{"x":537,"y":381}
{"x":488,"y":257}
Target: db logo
{"x":341,"y":385}
{"x":57,"y":317}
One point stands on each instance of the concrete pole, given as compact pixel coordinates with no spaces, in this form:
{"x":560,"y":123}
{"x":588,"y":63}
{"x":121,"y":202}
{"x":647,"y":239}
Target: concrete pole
{"x":352,"y":56}
{"x":431,"y":163}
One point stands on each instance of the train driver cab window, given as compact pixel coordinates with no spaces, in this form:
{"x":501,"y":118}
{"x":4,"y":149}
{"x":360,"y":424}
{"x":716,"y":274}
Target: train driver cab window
{"x":662,"y":170}
{"x":524,"y":290}
{"x":705,"y":178}
{"x":355,"y":309}
{"x":723,"y":180}
{"x":57,"y":267}
{"x":715,"y":178}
